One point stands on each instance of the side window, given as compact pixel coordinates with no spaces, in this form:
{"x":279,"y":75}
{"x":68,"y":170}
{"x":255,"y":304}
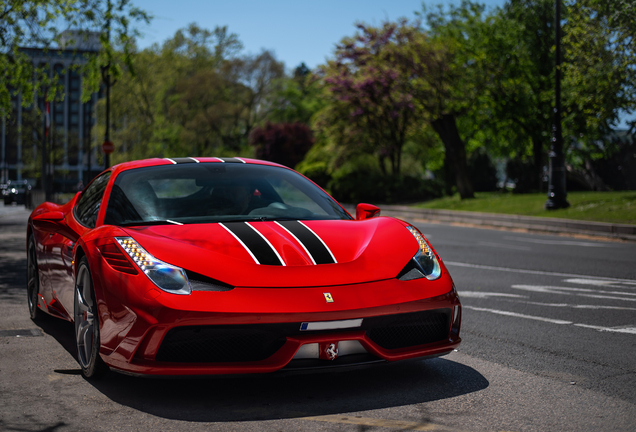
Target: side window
{"x":88,"y":206}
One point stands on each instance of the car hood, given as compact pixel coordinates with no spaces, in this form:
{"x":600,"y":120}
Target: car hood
{"x":290,"y":253}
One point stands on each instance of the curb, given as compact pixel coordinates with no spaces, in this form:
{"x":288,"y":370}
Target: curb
{"x":503,"y":221}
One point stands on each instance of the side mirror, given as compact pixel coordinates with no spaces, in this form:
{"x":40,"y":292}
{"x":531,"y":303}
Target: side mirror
{"x":366,"y":211}
{"x":45,"y":218}
{"x":53,"y":222}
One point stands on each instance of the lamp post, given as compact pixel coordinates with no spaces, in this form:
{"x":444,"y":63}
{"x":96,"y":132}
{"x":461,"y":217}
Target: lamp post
{"x":108,"y":82}
{"x":557,"y":193}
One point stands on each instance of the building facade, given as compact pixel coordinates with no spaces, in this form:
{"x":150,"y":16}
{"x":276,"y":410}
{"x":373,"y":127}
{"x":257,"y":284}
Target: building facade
{"x":72,"y":154}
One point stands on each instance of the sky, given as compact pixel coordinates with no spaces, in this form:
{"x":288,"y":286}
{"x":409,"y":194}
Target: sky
{"x":295,"y":30}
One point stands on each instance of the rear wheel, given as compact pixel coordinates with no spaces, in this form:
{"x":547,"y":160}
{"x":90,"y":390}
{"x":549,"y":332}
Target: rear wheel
{"x":87,"y":324}
{"x":33,"y":281}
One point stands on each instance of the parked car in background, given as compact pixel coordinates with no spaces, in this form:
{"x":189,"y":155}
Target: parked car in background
{"x":14,"y":191}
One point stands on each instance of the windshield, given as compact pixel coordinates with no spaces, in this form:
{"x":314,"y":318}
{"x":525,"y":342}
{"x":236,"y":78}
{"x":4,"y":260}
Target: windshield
{"x":216,"y":192}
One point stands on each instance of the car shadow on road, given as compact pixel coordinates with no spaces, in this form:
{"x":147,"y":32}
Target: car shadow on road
{"x":282,"y":395}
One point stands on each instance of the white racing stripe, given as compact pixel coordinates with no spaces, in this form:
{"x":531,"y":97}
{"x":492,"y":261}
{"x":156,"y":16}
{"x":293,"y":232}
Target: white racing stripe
{"x":321,"y":241}
{"x":299,"y":242}
{"x":241,"y":242}
{"x":268,"y":243}
{"x":624,"y":329}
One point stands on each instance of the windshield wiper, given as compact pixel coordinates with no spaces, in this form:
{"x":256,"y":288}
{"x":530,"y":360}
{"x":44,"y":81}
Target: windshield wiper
{"x":151,"y":222}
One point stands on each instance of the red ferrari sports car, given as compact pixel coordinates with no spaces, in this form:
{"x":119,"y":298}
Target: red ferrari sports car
{"x":195,"y":266}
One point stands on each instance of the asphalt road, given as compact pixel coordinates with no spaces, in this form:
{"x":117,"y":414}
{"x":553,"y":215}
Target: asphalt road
{"x":549,"y":331}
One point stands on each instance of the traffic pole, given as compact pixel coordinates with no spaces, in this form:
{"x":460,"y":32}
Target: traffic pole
{"x":557,"y":193}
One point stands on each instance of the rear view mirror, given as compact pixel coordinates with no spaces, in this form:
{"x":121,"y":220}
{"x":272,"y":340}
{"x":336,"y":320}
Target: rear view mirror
{"x":366,"y":211}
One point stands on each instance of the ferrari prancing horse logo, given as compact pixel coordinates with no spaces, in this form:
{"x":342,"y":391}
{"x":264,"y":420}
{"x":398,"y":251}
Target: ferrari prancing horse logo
{"x":332,"y":351}
{"x":328,"y":297}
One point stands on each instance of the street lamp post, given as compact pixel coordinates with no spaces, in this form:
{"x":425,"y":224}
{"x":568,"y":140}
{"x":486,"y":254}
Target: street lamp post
{"x":108,"y":82}
{"x":557,"y":193}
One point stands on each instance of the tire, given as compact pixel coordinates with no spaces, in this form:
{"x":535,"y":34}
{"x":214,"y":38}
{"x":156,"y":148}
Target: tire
{"x":86,"y":320}
{"x":33,"y":281}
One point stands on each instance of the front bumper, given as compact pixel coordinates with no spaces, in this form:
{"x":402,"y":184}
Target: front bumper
{"x":426,"y":328}
{"x":146,"y":331}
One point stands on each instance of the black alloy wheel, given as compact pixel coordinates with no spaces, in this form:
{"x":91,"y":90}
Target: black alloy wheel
{"x":33,"y":281}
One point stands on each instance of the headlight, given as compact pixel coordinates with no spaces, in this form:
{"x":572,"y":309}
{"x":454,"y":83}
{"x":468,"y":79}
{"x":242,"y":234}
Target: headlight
{"x":425,"y":260}
{"x":169,"y":278}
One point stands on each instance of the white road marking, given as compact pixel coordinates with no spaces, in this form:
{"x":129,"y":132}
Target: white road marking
{"x":624,"y":329}
{"x":598,"y":282}
{"x":537,"y":272}
{"x":518,"y":315}
{"x":577,"y":306}
{"x":504,"y":246}
{"x":628,"y":330}
{"x":573,"y":291}
{"x":558,"y":242}
{"x":479,"y":294}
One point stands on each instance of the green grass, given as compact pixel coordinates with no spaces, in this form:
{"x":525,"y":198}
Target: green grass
{"x":614,"y":207}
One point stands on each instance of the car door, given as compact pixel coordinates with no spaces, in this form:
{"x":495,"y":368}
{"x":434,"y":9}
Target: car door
{"x":61,"y":257}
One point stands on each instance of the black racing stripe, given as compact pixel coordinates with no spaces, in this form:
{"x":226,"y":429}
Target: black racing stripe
{"x":231,"y":160}
{"x":254,"y":242}
{"x":315,"y":247}
{"x":184,"y":160}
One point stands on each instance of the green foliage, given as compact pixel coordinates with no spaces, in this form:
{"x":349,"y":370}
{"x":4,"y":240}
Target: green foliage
{"x":600,"y":54}
{"x":360,"y":180}
{"x":613,"y":207}
{"x":283,"y":143}
{"x":39,"y":23}
{"x":297,"y":98}
{"x":193,"y":95}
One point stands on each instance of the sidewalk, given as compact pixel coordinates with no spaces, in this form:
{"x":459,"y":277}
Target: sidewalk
{"x":502,"y":221}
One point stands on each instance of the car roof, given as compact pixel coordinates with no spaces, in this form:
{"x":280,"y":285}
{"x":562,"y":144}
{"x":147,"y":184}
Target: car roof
{"x":183,"y":160}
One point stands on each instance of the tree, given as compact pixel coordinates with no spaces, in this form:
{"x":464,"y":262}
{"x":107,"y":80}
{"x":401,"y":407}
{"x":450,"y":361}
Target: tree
{"x":370,"y":97}
{"x":38,"y":23}
{"x":193,"y":95}
{"x":599,"y":72}
{"x":297,"y":98}
{"x":283,"y":143}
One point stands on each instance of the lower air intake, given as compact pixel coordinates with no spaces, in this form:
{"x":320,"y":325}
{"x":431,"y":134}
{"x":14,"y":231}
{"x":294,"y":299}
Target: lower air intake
{"x":218,"y":344}
{"x":410,"y":329}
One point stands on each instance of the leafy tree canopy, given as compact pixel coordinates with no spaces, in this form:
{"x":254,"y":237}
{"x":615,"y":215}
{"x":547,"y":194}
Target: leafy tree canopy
{"x":39,"y":23}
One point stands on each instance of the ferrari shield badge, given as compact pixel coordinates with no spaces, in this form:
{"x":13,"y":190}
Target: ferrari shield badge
{"x":328,"y":297}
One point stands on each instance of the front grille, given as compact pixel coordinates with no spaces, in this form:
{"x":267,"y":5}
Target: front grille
{"x":216,"y":344}
{"x":249,"y":343}
{"x":411,"y":329}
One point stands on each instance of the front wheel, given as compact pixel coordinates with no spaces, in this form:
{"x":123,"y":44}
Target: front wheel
{"x":33,"y":281}
{"x":87,"y":324}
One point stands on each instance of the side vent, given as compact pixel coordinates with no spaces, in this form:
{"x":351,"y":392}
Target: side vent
{"x":116,"y":258}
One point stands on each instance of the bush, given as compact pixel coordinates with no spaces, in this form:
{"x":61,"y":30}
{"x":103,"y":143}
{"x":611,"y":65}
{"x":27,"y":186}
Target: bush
{"x":357,"y":186}
{"x":283,"y":143}
{"x":482,"y":172}
{"x":522,"y":173}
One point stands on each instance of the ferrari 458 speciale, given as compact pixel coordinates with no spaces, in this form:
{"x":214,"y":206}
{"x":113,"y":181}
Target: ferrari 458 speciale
{"x":197,"y":266}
